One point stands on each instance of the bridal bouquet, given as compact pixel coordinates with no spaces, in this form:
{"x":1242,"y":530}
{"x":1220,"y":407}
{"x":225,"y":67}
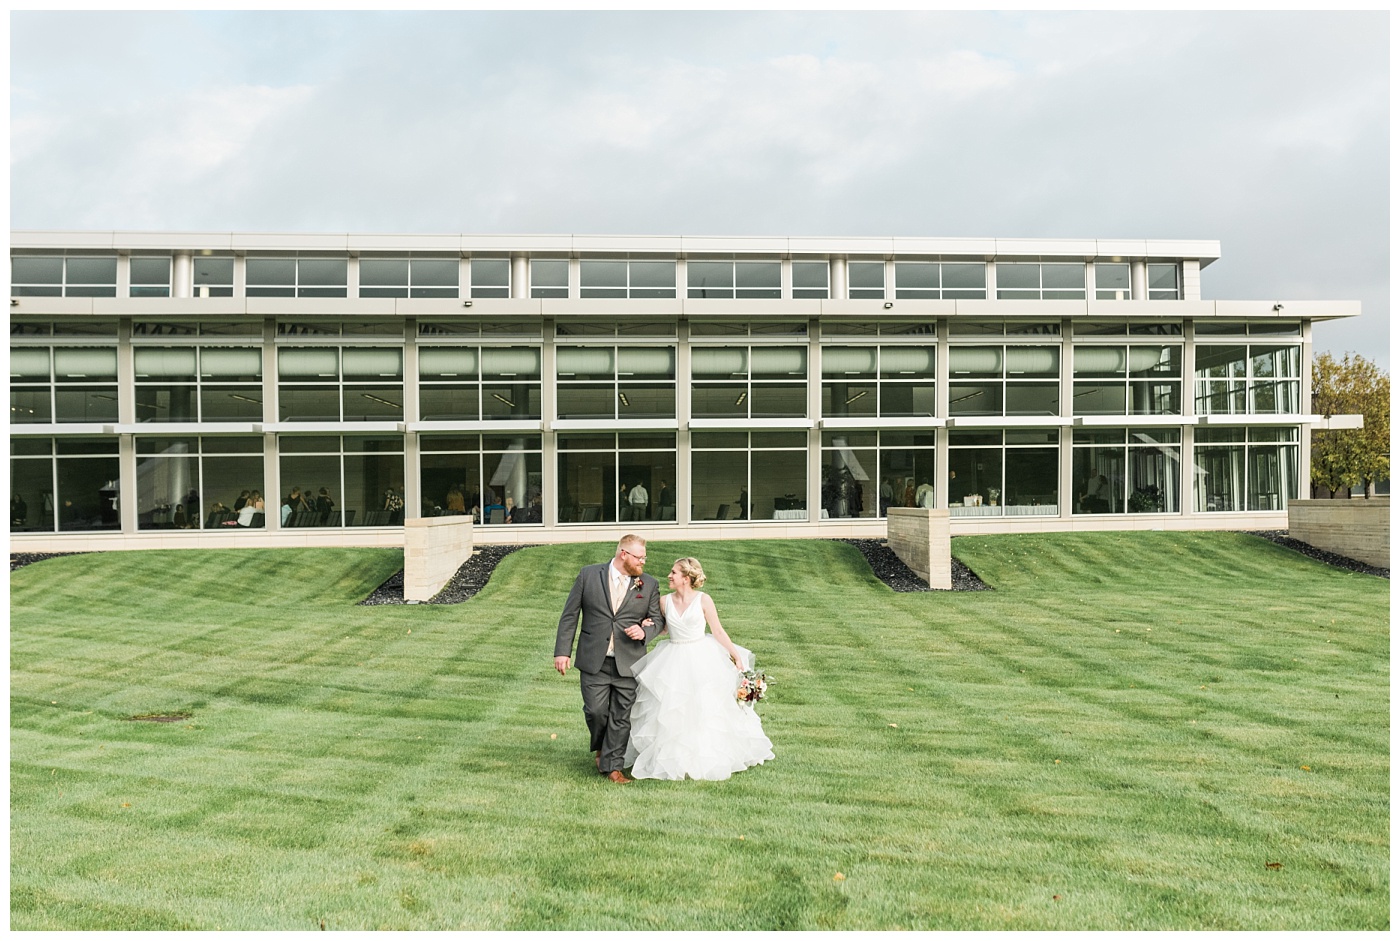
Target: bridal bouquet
{"x":752,"y":688}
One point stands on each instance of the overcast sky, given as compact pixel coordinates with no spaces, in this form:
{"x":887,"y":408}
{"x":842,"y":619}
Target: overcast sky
{"x":1266,"y":131}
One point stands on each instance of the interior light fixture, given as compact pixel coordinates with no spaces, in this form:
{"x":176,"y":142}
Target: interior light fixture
{"x":861,"y":394}
{"x":244,"y":398}
{"x":375,"y":398}
{"x":622,"y":396}
{"x":501,"y":398}
{"x":740,"y":399}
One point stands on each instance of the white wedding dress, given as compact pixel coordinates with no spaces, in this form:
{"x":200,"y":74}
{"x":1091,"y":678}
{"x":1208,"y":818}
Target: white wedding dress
{"x":686,"y":721}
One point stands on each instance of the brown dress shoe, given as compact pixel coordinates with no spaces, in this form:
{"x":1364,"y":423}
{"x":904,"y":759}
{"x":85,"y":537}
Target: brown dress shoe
{"x":617,"y":777}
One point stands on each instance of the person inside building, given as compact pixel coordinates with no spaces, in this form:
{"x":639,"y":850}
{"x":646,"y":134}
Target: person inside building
{"x":1095,"y":498}
{"x":253,"y":508}
{"x":456,"y":503}
{"x":637,"y":499}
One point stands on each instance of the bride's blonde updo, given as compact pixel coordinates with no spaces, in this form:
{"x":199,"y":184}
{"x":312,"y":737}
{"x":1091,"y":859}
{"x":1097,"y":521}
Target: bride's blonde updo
{"x":691,"y":569}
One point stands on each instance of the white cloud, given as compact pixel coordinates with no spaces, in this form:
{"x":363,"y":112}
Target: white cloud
{"x":1088,"y":124}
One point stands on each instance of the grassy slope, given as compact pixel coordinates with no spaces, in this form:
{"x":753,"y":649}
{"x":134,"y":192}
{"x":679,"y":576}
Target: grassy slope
{"x":1135,"y":723}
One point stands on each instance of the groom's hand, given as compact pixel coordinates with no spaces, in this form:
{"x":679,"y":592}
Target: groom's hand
{"x":635,"y":632}
{"x":561,"y":664}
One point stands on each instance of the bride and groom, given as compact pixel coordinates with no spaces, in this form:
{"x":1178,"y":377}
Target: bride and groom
{"x":670,"y":713}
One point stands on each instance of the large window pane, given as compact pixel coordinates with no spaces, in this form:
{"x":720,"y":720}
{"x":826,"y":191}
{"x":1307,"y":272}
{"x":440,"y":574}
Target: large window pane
{"x":591,"y":400}
{"x":588,"y":486}
{"x":770,"y":400}
{"x":87,"y":404}
{"x":850,"y":399}
{"x":719,"y":483}
{"x":1112,"y":282}
{"x":451,"y":483}
{"x":973,"y":472}
{"x":1032,"y":479}
{"x":31,"y":405}
{"x":963,"y":281}
{"x":372,"y":403}
{"x":490,"y":277}
{"x":308,"y":403}
{"x":1220,"y":471}
{"x":721,"y":400}
{"x":975,"y":398}
{"x":779,"y":484}
{"x":906,"y":477}
{"x":1154,"y":472}
{"x":167,"y":403}
{"x":848,"y":487}
{"x":866,"y":279}
{"x":31,"y":489}
{"x":444,"y":402}
{"x":710,"y":278}
{"x":87,"y":493}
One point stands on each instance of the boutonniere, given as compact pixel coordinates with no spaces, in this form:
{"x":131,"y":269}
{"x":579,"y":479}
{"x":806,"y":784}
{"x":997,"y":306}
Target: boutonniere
{"x":637,"y":583}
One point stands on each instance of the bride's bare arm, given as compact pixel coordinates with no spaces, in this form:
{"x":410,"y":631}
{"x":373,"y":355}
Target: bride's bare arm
{"x":707,"y":605}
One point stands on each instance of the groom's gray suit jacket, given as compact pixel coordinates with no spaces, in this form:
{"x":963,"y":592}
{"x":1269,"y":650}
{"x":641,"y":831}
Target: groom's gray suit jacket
{"x":591,"y":597}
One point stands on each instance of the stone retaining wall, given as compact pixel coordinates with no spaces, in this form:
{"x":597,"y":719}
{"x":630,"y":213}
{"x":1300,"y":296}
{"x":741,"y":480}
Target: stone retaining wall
{"x":1358,"y":529}
{"x":433,"y":550}
{"x":920,"y":538}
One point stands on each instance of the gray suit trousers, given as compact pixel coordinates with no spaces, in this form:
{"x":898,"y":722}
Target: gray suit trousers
{"x":607,"y":708}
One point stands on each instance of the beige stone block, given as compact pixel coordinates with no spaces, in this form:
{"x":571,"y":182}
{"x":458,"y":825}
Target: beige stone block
{"x":920,"y":538}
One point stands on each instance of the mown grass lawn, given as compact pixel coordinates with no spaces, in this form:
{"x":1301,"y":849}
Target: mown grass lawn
{"x":1147,"y":730}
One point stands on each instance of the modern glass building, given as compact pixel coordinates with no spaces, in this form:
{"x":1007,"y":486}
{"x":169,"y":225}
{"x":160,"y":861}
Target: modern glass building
{"x":568,"y":387}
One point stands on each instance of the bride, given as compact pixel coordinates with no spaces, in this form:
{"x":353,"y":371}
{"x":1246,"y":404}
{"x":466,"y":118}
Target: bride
{"x":686,"y":721}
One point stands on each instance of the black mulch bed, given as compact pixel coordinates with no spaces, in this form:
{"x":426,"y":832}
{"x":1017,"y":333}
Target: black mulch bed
{"x":19,"y":560}
{"x":470,"y":579}
{"x":889,"y":569}
{"x":1280,"y":536}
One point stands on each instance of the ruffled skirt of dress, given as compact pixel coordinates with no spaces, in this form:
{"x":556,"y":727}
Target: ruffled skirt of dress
{"x":686,"y":721}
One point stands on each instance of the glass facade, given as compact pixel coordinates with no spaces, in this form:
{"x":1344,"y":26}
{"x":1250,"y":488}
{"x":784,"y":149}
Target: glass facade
{"x":616,"y":382}
{"x":608,"y":413}
{"x":356,"y":480}
{"x":1035,"y":281}
{"x":495,"y":479}
{"x":1003,"y":380}
{"x":192,"y":384}
{"x":408,"y":277}
{"x":1014,"y":472}
{"x":1239,"y":469}
{"x":878,"y":381}
{"x":199,"y":482}
{"x":1127,"y":470}
{"x":63,"y":384}
{"x":1249,"y":379}
{"x":64,"y":484}
{"x":486,"y":383}
{"x":738,"y":382}
{"x":1127,"y":380}
{"x":864,"y":473}
{"x":737,"y":475}
{"x":328,"y":384}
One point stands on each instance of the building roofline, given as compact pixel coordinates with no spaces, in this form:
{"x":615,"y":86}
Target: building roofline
{"x":1203,"y":250}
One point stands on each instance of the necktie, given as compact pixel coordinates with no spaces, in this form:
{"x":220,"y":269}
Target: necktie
{"x":619,"y":589}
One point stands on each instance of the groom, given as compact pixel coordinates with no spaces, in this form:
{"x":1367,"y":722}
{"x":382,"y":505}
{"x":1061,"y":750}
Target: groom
{"x":621,"y":611}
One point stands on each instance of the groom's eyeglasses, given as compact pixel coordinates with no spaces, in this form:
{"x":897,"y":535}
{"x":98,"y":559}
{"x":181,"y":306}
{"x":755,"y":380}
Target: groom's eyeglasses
{"x":639,"y":558}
